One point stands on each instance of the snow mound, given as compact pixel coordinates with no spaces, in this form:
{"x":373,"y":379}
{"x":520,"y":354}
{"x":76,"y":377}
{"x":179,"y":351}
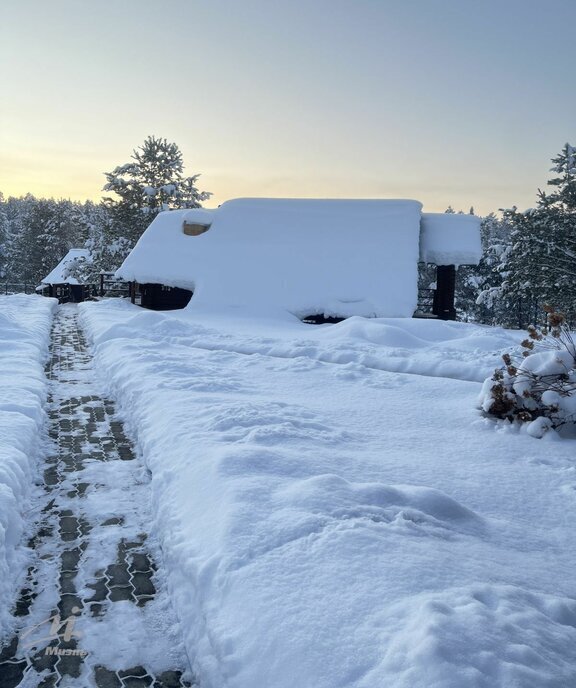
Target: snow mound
{"x":272,"y":423}
{"x":404,"y":345}
{"x":339,"y":499}
{"x":319,"y":514}
{"x":542,"y":363}
{"x":24,"y":336}
{"x":141,"y":319}
{"x":479,"y":637}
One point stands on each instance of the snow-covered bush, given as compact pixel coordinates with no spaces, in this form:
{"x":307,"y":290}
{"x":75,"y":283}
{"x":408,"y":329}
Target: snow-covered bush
{"x":540,"y":389}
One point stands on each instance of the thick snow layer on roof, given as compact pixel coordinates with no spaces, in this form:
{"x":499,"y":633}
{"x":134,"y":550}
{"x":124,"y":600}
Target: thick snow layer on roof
{"x":57,"y":276}
{"x":450,"y":239}
{"x":337,"y":257}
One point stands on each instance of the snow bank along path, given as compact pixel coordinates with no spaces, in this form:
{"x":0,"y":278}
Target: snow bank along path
{"x":24,"y":336}
{"x":329,"y":524}
{"x":94,"y":610}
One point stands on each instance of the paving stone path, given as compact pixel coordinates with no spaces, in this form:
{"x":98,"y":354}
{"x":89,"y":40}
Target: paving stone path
{"x":94,"y":610}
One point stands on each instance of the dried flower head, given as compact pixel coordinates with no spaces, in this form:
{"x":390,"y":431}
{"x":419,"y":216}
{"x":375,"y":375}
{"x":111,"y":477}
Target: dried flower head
{"x":533,"y":333}
{"x":556,"y":319}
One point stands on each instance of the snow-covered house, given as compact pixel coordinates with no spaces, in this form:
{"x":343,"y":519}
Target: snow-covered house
{"x":326,"y":258}
{"x":60,"y":285}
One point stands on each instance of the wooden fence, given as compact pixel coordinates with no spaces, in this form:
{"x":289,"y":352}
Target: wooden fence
{"x":17,"y":288}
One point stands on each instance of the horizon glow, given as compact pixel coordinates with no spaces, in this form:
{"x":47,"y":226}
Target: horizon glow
{"x":450,"y":103}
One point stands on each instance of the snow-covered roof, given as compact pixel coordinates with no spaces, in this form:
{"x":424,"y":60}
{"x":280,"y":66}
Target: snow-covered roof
{"x":57,"y":274}
{"x":450,"y":239}
{"x":307,"y":256}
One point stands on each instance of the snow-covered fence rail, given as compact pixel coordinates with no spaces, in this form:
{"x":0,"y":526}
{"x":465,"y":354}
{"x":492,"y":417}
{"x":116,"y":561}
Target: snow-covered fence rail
{"x":16,"y":288}
{"x":70,"y":293}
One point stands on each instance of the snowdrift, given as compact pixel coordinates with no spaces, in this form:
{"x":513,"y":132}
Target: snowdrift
{"x":24,"y":337}
{"x":327,"y":523}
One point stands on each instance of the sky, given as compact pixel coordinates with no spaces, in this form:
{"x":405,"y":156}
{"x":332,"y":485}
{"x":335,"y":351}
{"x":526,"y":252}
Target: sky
{"x":450,"y":102}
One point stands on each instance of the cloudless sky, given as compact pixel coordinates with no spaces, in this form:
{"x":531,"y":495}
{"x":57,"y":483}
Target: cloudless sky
{"x":459,"y":102}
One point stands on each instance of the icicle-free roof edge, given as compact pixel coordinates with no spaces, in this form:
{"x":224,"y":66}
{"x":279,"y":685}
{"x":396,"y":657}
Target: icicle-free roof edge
{"x":450,"y":239}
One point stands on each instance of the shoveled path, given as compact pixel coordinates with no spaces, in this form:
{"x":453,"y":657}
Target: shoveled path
{"x":94,"y":610}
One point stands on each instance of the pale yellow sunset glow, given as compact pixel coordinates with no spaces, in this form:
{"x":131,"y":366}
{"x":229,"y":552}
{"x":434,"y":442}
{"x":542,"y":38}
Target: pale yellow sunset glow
{"x":332,"y":99}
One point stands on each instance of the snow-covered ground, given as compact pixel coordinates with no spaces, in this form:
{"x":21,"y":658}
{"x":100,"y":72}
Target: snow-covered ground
{"x":24,"y":337}
{"x":335,"y":512}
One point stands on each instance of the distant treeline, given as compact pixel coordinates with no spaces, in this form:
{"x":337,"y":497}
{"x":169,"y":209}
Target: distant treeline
{"x":529,"y":257}
{"x":35,"y":233}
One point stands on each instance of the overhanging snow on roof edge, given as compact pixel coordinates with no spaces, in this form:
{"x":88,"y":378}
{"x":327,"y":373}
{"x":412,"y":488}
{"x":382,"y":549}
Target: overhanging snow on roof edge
{"x":450,"y":239}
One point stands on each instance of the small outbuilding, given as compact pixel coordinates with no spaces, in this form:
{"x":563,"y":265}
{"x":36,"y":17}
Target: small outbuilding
{"x":60,"y":285}
{"x":318,"y":259}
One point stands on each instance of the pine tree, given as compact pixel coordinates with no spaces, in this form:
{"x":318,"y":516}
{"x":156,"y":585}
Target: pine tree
{"x":16,"y":210}
{"x":538,"y":266}
{"x":479,"y":287}
{"x":564,"y":197}
{"x":106,"y":249}
{"x":559,"y":211}
{"x":154,"y":181}
{"x":44,"y":233}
